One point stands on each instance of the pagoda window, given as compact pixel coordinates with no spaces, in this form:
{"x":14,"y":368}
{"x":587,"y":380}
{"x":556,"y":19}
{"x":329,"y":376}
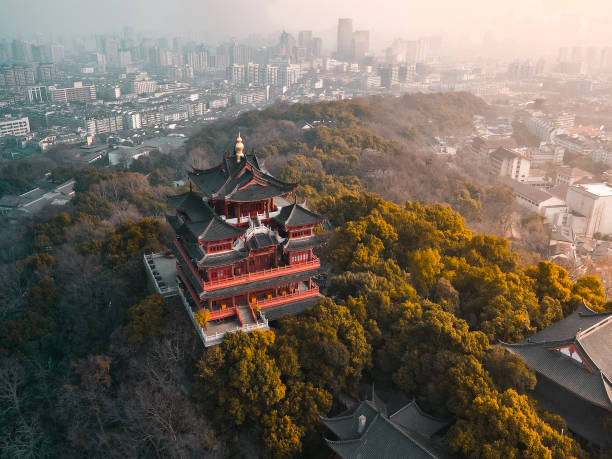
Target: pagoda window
{"x":299,"y":257}
{"x":301,"y":233}
{"x":219,"y":247}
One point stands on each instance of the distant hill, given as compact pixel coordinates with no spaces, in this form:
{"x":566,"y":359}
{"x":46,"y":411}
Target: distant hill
{"x":411,"y":117}
{"x":381,"y":141}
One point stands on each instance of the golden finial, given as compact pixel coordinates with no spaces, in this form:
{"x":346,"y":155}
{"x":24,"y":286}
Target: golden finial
{"x":239,"y":147}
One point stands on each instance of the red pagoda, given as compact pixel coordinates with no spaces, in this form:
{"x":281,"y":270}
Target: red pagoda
{"x":242,"y":250}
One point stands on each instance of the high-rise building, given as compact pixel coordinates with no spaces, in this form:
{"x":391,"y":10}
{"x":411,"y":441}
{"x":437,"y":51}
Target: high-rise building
{"x":57,"y":53}
{"x":41,"y":53}
{"x":316,"y":46}
{"x":252,"y":74}
{"x":389,"y":75}
{"x":305,"y":38}
{"x":125,"y":58}
{"x":286,"y":45}
{"x":14,"y":126}
{"x":268,"y":75}
{"x":22,"y":51}
{"x":345,"y":38}
{"x":288,"y":75}
{"x":36,"y":94}
{"x":240,"y":54}
{"x":236,"y":74}
{"x":22,"y":76}
{"x":78,"y":93}
{"x":422,"y":50}
{"x":198,"y":60}
{"x":97,"y":124}
{"x":361,"y":44}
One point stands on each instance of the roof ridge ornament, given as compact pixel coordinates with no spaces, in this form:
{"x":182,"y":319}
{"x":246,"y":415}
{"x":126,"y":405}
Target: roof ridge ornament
{"x":238,"y":148}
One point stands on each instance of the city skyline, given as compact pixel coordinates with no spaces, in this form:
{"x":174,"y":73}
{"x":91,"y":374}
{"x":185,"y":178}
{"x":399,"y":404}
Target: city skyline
{"x":472,"y":26}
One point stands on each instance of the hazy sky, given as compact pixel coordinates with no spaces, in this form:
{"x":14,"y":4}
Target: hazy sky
{"x":523,"y":25}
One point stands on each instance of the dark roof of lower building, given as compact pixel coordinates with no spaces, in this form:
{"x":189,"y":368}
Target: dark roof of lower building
{"x":304,"y":243}
{"x":192,"y":205}
{"x":261,"y":240}
{"x":240,"y":180}
{"x":574,"y":353}
{"x":214,"y":230}
{"x":223,"y":258}
{"x":296,"y":307}
{"x":296,"y":215}
{"x":381,"y":437}
{"x":202,"y":222}
{"x":411,"y":417}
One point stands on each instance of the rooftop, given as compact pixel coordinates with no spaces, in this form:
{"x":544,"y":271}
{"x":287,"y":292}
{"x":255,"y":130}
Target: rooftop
{"x":368,"y":433}
{"x":575,"y":353}
{"x":598,"y":189}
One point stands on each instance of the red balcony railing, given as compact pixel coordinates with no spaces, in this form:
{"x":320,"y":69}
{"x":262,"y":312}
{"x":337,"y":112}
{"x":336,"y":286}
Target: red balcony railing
{"x":283,"y":299}
{"x":248,"y":277}
{"x":223,"y":313}
{"x":261,"y":275}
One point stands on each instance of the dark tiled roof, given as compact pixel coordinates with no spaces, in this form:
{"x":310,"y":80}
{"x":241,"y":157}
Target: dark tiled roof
{"x":297,"y":307}
{"x":566,"y":329}
{"x":203,"y":224}
{"x":411,"y":417}
{"x":582,"y":418}
{"x":304,"y":243}
{"x":591,"y":334}
{"x":192,"y":205}
{"x":296,"y":215}
{"x":504,"y":153}
{"x":381,"y":438}
{"x":222,"y":259}
{"x":239,"y":181}
{"x":214,"y":230}
{"x":261,"y":240}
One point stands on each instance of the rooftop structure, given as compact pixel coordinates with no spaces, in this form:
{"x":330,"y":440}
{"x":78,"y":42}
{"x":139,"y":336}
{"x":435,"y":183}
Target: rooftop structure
{"x":367,"y":431}
{"x":243,"y":252}
{"x":573,"y":360}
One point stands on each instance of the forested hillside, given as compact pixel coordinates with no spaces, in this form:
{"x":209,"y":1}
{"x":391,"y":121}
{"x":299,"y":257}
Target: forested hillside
{"x":92,"y":365}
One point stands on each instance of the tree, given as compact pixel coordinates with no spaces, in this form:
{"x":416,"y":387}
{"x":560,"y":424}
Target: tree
{"x":506,"y":425}
{"x":91,"y":204}
{"x":146,"y":319}
{"x":280,"y":434}
{"x":425,"y":266}
{"x":508,"y":371}
{"x":550,"y":280}
{"x":331,"y":345}
{"x":241,"y":376}
{"x":202,"y":317}
{"x":589,"y":289}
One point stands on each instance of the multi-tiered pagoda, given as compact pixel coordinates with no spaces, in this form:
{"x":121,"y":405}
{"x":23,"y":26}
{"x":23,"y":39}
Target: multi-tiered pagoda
{"x":243,"y":251}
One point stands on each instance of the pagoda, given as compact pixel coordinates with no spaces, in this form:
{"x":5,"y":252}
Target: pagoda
{"x":243,"y":251}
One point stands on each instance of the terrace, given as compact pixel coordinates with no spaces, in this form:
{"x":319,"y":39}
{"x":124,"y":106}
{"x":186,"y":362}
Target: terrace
{"x":259,"y":275}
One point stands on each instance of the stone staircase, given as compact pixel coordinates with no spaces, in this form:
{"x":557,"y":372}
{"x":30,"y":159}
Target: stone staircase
{"x":245,"y":315}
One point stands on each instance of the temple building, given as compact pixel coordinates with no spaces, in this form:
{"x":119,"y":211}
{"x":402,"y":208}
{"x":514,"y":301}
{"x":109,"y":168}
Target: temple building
{"x":573,"y":362}
{"x":367,"y":431}
{"x":243,"y":251}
